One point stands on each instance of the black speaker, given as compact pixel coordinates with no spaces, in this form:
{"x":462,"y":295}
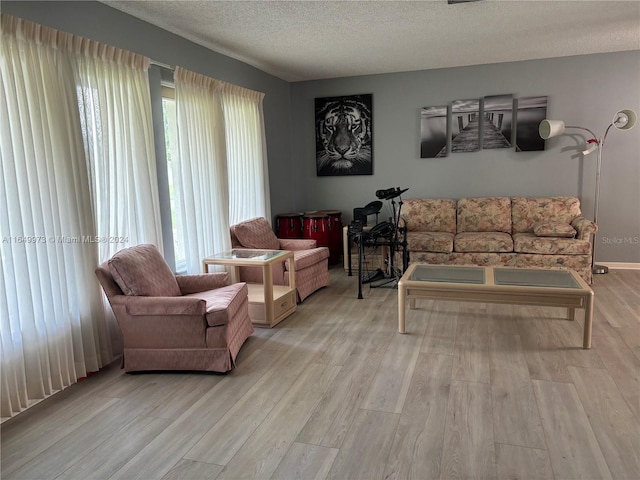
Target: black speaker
{"x":359,"y":215}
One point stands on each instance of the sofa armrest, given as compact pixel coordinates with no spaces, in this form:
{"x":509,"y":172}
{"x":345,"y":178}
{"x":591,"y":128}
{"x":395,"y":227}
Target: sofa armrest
{"x":160,"y":306}
{"x":297,"y":244}
{"x":584,"y":227}
{"x":201,"y":282}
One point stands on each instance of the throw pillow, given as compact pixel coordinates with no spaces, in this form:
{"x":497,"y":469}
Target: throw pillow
{"x":256,"y":233}
{"x":554,"y":229}
{"x":141,"y":271}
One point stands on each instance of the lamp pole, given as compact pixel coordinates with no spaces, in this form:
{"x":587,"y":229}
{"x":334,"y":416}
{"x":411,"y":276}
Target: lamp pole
{"x":622,"y":120}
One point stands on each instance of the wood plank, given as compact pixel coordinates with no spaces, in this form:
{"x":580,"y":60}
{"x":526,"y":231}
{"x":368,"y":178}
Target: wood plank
{"x":190,"y":470}
{"x":365,"y":449}
{"x":389,"y":387}
{"x":309,"y":462}
{"x":515,"y":414}
{"x":520,"y":462}
{"x":417,"y":446}
{"x":623,"y":366}
{"x":613,"y":423}
{"x":108,"y":457}
{"x":573,"y":449}
{"x":471,"y":353}
{"x":168,"y":448}
{"x":268,"y":445}
{"x":441,"y":318}
{"x":468,"y":447}
{"x":228,"y":435}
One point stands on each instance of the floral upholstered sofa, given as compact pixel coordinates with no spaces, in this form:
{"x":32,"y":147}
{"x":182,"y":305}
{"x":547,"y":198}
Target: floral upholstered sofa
{"x":518,"y":232}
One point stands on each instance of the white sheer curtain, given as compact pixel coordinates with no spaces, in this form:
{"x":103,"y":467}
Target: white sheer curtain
{"x":115,"y":115}
{"x":200,"y":172}
{"x":50,"y":319}
{"x":53,"y":327}
{"x":246,"y":153}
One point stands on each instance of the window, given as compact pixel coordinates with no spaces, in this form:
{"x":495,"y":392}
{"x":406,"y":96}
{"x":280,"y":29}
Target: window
{"x":171,"y":143}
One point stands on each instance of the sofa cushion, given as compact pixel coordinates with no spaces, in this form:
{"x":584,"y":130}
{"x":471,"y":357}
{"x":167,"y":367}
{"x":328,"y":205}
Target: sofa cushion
{"x":483,"y":242}
{"x":485,"y":214}
{"x":429,"y":215}
{"x":256,"y":233}
{"x":141,"y":271}
{"x":223,"y":303}
{"x":441,"y":242}
{"x":305,"y":258}
{"x":527,"y":211}
{"x":553,"y":229}
{"x":529,"y":243}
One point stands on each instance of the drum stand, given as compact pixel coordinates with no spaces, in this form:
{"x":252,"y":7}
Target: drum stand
{"x":394,"y":244}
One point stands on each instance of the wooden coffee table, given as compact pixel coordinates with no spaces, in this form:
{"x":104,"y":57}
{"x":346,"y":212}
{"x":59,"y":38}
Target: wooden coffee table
{"x":519,"y":286}
{"x":269,"y":304}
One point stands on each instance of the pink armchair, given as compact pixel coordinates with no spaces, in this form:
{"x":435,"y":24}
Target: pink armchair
{"x":168,"y":322}
{"x":311,"y":262}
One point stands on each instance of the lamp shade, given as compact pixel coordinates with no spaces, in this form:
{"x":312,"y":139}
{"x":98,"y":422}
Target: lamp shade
{"x":625,"y":119}
{"x":551,"y":128}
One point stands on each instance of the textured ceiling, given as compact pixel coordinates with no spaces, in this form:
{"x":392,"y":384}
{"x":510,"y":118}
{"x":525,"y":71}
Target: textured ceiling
{"x":308,"y":40}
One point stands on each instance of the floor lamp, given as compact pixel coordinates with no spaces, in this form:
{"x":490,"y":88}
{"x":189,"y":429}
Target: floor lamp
{"x":622,"y":120}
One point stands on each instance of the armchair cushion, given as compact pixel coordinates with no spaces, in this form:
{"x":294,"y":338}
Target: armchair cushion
{"x":201,"y":282}
{"x":256,"y":233}
{"x":141,"y":271}
{"x":222,"y":303}
{"x":553,"y":229}
{"x":297,"y":244}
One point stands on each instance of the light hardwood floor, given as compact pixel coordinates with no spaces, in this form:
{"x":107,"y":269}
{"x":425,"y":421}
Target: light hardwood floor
{"x":334,"y":392}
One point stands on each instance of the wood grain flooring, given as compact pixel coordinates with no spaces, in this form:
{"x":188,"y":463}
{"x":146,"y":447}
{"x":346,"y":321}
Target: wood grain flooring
{"x":334,"y":392}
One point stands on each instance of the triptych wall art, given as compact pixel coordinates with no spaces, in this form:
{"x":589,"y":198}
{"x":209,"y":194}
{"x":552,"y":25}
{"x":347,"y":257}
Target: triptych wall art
{"x":471,"y":127}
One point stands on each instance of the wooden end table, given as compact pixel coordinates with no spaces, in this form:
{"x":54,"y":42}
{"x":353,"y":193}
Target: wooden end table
{"x":269,"y":304}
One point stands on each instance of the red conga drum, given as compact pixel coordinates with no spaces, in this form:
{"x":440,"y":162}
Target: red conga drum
{"x":289,"y":225}
{"x":315,"y":226}
{"x":335,"y":234}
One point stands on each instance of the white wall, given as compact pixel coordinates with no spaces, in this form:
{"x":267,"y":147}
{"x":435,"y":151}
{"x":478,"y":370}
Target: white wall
{"x":582,"y":90}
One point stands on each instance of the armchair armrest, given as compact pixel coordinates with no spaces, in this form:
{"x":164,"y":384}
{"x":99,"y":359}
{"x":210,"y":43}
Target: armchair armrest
{"x":161,"y":306}
{"x":201,"y":282}
{"x":584,"y":227}
{"x":297,"y":244}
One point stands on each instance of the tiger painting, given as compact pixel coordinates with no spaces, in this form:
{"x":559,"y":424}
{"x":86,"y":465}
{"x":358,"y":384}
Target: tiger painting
{"x":343,"y":135}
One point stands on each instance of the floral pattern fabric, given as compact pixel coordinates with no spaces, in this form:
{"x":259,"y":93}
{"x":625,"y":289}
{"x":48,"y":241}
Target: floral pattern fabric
{"x":429,"y":215}
{"x":526,"y":211}
{"x":554,"y":229}
{"x":488,"y":214}
{"x":483,"y":242}
{"x":584,"y":227}
{"x":430,"y":242}
{"x":489,"y":245}
{"x":529,"y":243}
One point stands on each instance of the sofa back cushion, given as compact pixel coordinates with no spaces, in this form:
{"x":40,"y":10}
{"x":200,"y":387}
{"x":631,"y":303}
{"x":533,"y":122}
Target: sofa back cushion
{"x":429,"y":215}
{"x":484,"y":214}
{"x":527,"y":211}
{"x":256,"y":233}
{"x":142,"y":271}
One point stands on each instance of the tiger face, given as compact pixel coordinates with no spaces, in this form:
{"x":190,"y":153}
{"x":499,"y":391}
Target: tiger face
{"x":343,"y":138}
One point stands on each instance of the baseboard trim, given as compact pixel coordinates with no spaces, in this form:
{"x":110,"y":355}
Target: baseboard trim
{"x":620,"y":265}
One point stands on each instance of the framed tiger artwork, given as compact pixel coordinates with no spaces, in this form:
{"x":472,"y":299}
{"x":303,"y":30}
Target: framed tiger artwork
{"x":343,"y":135}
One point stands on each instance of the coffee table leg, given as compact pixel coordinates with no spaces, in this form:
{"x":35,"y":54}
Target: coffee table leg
{"x":571,"y":313}
{"x":588,"y":320}
{"x":402,"y":299}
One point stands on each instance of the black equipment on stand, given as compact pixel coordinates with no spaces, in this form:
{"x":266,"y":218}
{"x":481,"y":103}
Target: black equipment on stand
{"x":388,"y":234}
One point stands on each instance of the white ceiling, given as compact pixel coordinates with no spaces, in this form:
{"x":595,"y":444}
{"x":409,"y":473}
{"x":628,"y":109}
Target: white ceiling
{"x":309,"y":40}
